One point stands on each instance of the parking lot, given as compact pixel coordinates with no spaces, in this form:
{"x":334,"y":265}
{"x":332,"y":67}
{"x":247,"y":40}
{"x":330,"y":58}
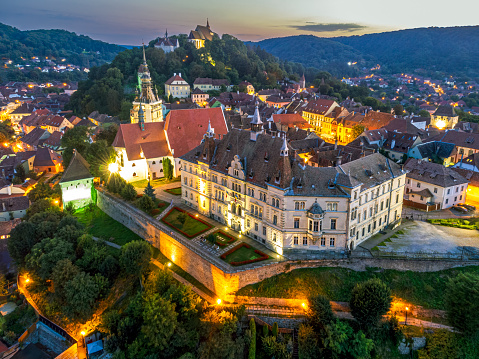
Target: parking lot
{"x":424,"y":237}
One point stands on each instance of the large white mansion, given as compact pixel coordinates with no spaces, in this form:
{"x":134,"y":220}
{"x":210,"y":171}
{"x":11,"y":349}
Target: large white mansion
{"x":252,"y":182}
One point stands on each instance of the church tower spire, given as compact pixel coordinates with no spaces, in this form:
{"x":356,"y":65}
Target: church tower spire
{"x":141,"y":117}
{"x":207,"y":23}
{"x":144,"y":56}
{"x":166,"y":34}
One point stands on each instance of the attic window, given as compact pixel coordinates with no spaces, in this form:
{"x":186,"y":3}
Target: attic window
{"x":251,"y":174}
{"x":266,"y":157}
{"x":300,"y":183}
{"x":368,"y":173}
{"x":197,"y":154}
{"x":268,"y":178}
{"x":228,"y":148}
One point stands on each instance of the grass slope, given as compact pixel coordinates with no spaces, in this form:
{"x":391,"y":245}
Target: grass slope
{"x":421,"y":288}
{"x":101,"y":225}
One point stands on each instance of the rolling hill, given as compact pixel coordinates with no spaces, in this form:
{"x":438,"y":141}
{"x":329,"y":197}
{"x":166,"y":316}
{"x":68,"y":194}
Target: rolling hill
{"x":76,"y":49}
{"x":453,"y":50}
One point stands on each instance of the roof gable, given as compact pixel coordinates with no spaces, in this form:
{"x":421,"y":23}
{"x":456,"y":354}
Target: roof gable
{"x":77,"y":169}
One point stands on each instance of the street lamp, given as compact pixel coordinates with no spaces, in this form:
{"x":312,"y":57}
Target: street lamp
{"x":113,"y":167}
{"x":218,"y":301}
{"x":407,"y":309}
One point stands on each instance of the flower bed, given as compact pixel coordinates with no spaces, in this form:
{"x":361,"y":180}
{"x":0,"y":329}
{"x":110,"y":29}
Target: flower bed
{"x":191,"y":227}
{"x":239,"y":247}
{"x":227,"y":239}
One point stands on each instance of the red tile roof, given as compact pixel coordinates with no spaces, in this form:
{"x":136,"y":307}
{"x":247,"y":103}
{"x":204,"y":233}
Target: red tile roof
{"x":173,"y":79}
{"x":151,"y":141}
{"x":292,"y":120}
{"x":185,"y":128}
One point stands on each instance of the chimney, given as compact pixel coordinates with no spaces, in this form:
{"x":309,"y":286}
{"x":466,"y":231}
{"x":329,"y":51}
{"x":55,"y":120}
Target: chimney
{"x":174,"y":74}
{"x":336,"y":144}
{"x":179,"y":74}
{"x":9,"y":189}
{"x":338,"y":160}
{"x":3,"y":206}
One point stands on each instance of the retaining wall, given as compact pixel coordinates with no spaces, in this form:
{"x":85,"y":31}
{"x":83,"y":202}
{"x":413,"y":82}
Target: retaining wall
{"x":225,"y":280}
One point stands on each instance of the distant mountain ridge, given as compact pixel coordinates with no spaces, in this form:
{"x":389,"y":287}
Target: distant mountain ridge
{"x":454,"y":50}
{"x":78,"y":50}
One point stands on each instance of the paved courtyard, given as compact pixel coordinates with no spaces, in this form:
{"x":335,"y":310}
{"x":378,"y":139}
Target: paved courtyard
{"x":421,"y":236}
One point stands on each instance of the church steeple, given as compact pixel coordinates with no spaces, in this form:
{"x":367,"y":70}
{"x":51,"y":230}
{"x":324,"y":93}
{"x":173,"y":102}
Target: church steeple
{"x":141,"y":117}
{"x":144,"y":56}
{"x":256,"y":125}
{"x":207,"y":23}
{"x":166,"y":34}
{"x":210,"y":133}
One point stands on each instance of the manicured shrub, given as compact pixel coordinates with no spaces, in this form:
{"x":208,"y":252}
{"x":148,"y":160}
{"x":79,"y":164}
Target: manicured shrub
{"x":252,"y":346}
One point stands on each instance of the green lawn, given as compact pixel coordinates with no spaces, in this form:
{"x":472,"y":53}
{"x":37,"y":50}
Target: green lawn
{"x":101,"y":225}
{"x":176,"y":191}
{"x":154,"y":183}
{"x":242,"y":254}
{"x":471,"y":223}
{"x":191,"y":227}
{"x":421,"y":288}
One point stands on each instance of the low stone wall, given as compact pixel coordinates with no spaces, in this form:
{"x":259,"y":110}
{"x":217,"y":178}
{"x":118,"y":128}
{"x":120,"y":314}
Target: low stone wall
{"x":225,"y":280}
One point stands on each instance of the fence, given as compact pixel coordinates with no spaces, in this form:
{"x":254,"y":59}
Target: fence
{"x":422,"y":206}
{"x":57,"y":329}
{"x":285,"y":312}
{"x":466,"y":254}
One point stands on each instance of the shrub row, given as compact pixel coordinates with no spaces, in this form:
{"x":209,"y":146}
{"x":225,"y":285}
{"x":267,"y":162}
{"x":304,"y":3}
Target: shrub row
{"x":221,"y":244}
{"x":453,"y":222}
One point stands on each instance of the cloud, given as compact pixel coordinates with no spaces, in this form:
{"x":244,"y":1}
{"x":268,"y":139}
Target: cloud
{"x":318,"y":27}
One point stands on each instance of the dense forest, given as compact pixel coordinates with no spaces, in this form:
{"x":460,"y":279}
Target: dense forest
{"x":76,"y":49}
{"x":453,"y":50}
{"x":110,"y":87}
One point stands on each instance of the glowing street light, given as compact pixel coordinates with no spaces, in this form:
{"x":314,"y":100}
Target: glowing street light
{"x":113,"y":167}
{"x":169,"y":264}
{"x":82,"y":333}
{"x":27,"y":280}
{"x":218,"y":301}
{"x":407,"y":310}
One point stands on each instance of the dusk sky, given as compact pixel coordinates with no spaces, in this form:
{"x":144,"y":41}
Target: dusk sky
{"x":130,"y":22}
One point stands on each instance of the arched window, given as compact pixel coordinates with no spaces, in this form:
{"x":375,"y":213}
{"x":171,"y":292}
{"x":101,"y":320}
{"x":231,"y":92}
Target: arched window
{"x":233,"y":208}
{"x":134,"y":174}
{"x":274,"y":236}
{"x":239,"y":210}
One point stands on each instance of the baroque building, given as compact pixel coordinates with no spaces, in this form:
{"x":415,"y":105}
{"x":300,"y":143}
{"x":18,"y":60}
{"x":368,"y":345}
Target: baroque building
{"x":147,"y":97}
{"x":253,"y":182}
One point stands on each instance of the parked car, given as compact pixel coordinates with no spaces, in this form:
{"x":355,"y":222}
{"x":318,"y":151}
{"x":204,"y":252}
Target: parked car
{"x":467,"y":206}
{"x":459,"y":209}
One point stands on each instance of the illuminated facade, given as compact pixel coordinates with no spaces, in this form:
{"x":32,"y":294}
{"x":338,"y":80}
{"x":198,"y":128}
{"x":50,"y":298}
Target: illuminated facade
{"x":147,"y":97}
{"x":177,"y":87}
{"x":202,"y":33}
{"x":444,"y":118}
{"x":77,"y":182}
{"x":251,"y":182}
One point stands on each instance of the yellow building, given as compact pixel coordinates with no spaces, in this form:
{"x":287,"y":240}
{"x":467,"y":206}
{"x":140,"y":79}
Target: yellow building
{"x":177,"y":87}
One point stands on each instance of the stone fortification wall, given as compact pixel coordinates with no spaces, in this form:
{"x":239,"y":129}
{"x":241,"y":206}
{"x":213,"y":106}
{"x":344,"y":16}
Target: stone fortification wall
{"x":223,"y":279}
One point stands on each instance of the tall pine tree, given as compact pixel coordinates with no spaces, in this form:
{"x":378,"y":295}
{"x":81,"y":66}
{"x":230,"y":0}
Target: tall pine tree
{"x":150,"y":192}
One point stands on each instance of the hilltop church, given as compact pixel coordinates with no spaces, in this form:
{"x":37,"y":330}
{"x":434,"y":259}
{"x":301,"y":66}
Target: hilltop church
{"x":201,"y":34}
